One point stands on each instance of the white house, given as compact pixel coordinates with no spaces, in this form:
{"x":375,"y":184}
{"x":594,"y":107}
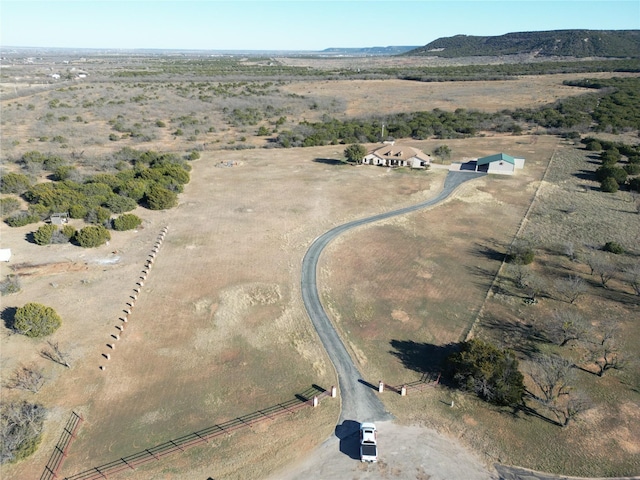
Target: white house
{"x":499,"y":163}
{"x":397,"y":156}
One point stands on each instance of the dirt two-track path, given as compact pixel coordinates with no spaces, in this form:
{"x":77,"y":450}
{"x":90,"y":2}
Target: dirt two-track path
{"x":405,"y":452}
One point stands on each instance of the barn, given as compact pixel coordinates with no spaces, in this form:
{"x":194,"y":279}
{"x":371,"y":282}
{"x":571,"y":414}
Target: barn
{"x":499,"y":163}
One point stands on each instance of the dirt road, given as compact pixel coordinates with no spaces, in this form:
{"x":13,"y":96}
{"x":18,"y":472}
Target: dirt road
{"x":359,"y":403}
{"x":409,"y":452}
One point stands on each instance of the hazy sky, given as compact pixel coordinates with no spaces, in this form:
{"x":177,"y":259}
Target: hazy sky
{"x":291,"y":25}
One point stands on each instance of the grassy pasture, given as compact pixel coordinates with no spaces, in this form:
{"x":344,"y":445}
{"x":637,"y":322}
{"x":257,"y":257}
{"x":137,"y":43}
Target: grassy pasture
{"x":218,"y":330}
{"x":219,"y":321}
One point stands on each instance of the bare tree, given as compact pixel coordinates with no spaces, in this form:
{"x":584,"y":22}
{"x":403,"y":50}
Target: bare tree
{"x":566,"y":326}
{"x":535,"y":285}
{"x":604,"y":268}
{"x":28,"y":378}
{"x":552,"y":376}
{"x":591,"y":258}
{"x":569,"y":251}
{"x":632,"y":277}
{"x":568,"y":410}
{"x":571,"y":288}
{"x":20,"y":426}
{"x":604,"y":353}
{"x":520,"y":274}
{"x":635,"y":198}
{"x":56,"y":354}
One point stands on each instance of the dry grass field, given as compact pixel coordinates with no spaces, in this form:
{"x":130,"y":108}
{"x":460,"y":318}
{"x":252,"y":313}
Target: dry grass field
{"x":219,"y":329}
{"x":366,"y":97}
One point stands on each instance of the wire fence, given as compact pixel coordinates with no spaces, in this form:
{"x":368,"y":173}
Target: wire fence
{"x":60,"y":450}
{"x":309,"y":397}
{"x":425,"y":382}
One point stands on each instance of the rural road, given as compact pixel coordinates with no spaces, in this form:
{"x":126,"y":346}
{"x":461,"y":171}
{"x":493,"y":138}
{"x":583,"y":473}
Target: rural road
{"x":360,"y":402}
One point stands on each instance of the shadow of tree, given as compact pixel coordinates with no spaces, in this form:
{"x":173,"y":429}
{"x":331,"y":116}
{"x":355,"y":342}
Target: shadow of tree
{"x":532,"y":412}
{"x":29,"y":237}
{"x":425,"y":358}
{"x":330,"y":161}
{"x":516,"y":335}
{"x":587,"y":175}
{"x":490,"y":252}
{"x":8,"y":316}
{"x":483,"y":276}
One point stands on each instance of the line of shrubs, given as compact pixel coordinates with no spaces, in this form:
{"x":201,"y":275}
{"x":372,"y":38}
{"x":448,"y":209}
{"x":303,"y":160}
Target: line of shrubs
{"x":610,"y":106}
{"x":87,"y":237}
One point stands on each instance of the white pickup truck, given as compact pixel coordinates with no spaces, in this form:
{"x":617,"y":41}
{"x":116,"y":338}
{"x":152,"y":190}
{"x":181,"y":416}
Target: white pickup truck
{"x":368,"y":443}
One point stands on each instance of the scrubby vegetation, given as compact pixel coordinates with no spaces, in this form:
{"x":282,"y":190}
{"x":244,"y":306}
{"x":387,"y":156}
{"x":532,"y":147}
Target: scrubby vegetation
{"x":148,"y":178}
{"x":614,"y":108}
{"x":127,"y":221}
{"x":619,"y":162}
{"x":21,"y":426}
{"x":92,"y":236}
{"x":11,"y":284}
{"x":36,"y":320}
{"x":488,"y":371}
{"x":98,"y":196}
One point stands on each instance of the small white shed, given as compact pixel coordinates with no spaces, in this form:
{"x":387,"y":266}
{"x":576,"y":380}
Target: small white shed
{"x":5,"y":254}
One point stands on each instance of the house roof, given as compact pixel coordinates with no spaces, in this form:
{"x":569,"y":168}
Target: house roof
{"x":399,"y":152}
{"x":498,"y":157}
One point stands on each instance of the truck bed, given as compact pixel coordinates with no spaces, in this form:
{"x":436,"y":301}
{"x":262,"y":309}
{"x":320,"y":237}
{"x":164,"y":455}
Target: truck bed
{"x":368,"y":452}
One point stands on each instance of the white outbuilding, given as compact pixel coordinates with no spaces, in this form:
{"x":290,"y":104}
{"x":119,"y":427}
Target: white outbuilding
{"x":499,"y":163}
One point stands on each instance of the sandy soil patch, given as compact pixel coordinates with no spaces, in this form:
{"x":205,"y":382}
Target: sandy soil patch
{"x":405,"y":452}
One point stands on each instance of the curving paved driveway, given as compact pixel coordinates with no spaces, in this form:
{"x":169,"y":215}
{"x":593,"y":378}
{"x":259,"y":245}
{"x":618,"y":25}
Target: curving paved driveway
{"x":360,"y":402}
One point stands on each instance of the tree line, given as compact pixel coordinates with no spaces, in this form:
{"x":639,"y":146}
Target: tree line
{"x":614,"y":106}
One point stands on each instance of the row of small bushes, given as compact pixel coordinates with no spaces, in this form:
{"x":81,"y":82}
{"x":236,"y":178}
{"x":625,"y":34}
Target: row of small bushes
{"x":89,"y":236}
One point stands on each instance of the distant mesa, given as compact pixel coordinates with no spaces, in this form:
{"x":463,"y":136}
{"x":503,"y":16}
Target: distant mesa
{"x":554,"y":43}
{"x":392,"y":50}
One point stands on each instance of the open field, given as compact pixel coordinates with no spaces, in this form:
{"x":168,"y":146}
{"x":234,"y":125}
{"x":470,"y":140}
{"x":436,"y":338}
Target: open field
{"x":364,"y":97}
{"x":219,"y":329}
